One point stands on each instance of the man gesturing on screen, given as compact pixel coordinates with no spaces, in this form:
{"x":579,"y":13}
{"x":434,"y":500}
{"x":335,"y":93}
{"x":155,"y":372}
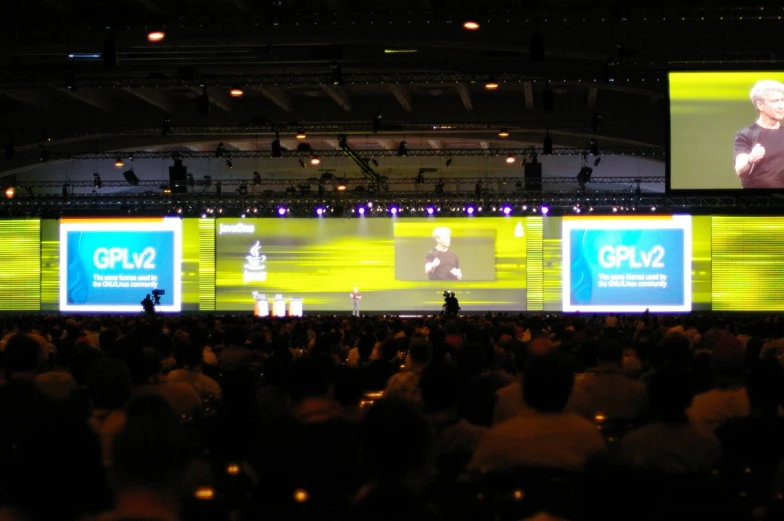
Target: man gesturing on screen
{"x":440,"y":263}
{"x":759,"y":148}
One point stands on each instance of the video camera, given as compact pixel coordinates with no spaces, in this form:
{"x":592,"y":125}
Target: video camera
{"x":156,"y":295}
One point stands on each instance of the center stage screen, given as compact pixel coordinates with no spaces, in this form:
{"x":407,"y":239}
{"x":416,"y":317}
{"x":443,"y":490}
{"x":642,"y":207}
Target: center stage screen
{"x":396,"y":264}
{"x":110,"y":264}
{"x":627,"y":264}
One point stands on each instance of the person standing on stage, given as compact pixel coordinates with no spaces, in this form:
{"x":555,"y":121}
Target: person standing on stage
{"x":355,"y":297}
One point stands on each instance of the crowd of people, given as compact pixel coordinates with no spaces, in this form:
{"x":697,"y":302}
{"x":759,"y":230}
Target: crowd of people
{"x":383,"y":417}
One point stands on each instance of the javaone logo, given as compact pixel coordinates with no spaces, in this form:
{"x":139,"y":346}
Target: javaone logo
{"x":236,"y":228}
{"x":255,"y":270}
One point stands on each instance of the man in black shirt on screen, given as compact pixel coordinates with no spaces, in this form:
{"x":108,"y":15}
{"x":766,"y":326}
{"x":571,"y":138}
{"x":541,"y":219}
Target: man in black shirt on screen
{"x":759,"y":148}
{"x":440,"y":263}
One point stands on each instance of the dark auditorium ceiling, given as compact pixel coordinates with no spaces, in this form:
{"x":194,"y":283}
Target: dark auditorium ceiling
{"x":330,"y":66}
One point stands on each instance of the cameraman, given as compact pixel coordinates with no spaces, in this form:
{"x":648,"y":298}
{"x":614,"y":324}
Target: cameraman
{"x":451,"y":305}
{"x":148,"y":305}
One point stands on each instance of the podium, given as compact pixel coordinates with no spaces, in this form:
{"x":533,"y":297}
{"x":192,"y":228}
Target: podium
{"x":295,"y":307}
{"x":260,"y":305}
{"x":278,"y":306}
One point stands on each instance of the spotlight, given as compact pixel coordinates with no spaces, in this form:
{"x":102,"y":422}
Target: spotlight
{"x":97,"y":180}
{"x":302,"y":163}
{"x":470,"y":25}
{"x":156,"y":36}
{"x":256,"y":179}
{"x":277,"y":150}
{"x":402,"y":150}
{"x":301,"y":134}
{"x":478,"y":190}
{"x":503,"y":133}
{"x":377,"y":122}
{"x":393,"y":210}
{"x":10,"y":192}
{"x":315,"y":160}
{"x":229,"y":164}
{"x":470,"y":210}
{"x":243,"y":190}
{"x":594,"y":148}
{"x":507,"y":209}
{"x":189,"y":181}
{"x":282,"y":210}
{"x":319,"y":211}
{"x":510,"y":159}
{"x":584,"y":176}
{"x":439,"y":189}
{"x":166,"y":127}
{"x":597,"y":161}
{"x":220,"y":150}
{"x":491,"y":84}
{"x":448,"y":162}
{"x":130,"y":176}
{"x":236,"y":91}
{"x":374,"y":161}
{"x":545,"y":209}
{"x":118,"y":162}
{"x":430,"y":210}
{"x":207,"y":181}
{"x":341,"y":187}
{"x":547,"y":144}
{"x":46,"y":137}
{"x":361,"y":210}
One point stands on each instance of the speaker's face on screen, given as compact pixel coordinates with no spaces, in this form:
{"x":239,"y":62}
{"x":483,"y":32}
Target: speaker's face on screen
{"x":444,"y":240}
{"x":772,"y":105}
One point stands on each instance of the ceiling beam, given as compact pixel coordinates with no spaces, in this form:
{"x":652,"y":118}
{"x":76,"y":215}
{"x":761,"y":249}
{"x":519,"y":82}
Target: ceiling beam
{"x":465,"y":96}
{"x":403,"y":96}
{"x":32,"y":98}
{"x":340,"y":95}
{"x":435,"y":144}
{"x":154,"y":98}
{"x":94,"y":98}
{"x":219,"y":99}
{"x":528,"y":92}
{"x":277,"y":95}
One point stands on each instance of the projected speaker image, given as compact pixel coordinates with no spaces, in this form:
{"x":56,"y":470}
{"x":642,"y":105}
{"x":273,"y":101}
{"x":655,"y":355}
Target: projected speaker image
{"x":627,"y":264}
{"x":395,"y":264}
{"x":111,"y":264}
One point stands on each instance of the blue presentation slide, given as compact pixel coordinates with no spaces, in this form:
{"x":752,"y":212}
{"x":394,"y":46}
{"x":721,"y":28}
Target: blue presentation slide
{"x":627,"y":264}
{"x":111,"y":265}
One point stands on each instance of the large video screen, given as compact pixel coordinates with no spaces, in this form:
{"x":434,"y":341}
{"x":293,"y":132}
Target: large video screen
{"x":725,"y":130}
{"x":111,"y":264}
{"x":627,"y":264}
{"x":395,"y":264}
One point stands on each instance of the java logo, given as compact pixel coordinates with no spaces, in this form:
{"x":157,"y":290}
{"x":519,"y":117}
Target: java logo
{"x":616,"y":256}
{"x":235,"y":229}
{"x":255,"y":270}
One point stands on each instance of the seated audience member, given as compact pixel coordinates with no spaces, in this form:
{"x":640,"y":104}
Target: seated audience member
{"x":145,"y":369}
{"x":398,"y":470}
{"x":58,"y":382}
{"x":728,"y":400}
{"x":348,"y":392}
{"x":405,"y":385}
{"x":477,"y":391}
{"x":754,"y":442}
{"x":109,"y":386}
{"x":151,"y":460}
{"x":456,"y":439}
{"x":236,"y":354}
{"x":605,"y":389}
{"x":548,"y":436}
{"x":670,"y":444}
{"x":377,"y":373}
{"x":510,"y":400}
{"x":189,"y":358}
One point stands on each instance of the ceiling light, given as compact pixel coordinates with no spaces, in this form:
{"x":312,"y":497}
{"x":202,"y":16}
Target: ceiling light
{"x":341,"y":187}
{"x":503,"y":133}
{"x":399,"y":51}
{"x":118,"y":162}
{"x":491,"y":84}
{"x":315,"y":160}
{"x":10,"y":192}
{"x":510,"y":159}
{"x":236,"y":91}
{"x":156,"y":36}
{"x":470,"y":25}
{"x":301,"y":134}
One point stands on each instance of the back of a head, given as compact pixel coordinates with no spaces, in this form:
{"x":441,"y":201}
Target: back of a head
{"x":151,"y":449}
{"x":311,"y":376}
{"x":439,"y":386}
{"x":398,"y":440}
{"x":82,"y":363}
{"x":419,"y":349}
{"x":109,"y":384}
{"x":188,"y":354}
{"x":729,"y":360}
{"x":22,"y":354}
{"x":470,"y":359}
{"x":675,"y":350}
{"x":670,"y":393}
{"x":610,"y":351}
{"x":765,"y":383}
{"x":235,"y":336}
{"x":548,"y":383}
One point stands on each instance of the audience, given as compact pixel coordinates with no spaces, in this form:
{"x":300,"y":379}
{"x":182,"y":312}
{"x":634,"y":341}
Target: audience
{"x":350,"y":417}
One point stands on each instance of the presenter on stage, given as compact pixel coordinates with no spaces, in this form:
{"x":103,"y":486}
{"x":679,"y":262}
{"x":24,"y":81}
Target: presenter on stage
{"x":440,"y":262}
{"x":759,"y":148}
{"x":355,"y":297}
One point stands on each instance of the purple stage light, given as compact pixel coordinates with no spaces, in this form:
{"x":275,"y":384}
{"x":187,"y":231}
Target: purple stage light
{"x":507,"y":210}
{"x":470,"y":210}
{"x":393,"y":210}
{"x":282,"y":211}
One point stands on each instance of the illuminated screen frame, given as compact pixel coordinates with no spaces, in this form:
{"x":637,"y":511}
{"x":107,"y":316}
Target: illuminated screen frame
{"x":672,"y":222}
{"x":141,"y":225}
